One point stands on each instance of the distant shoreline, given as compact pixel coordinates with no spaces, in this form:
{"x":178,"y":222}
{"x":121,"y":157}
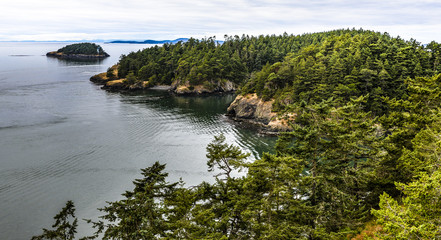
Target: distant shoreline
{"x":149,"y":41}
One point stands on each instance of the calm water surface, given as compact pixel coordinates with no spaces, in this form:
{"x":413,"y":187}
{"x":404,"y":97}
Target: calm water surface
{"x":63,"y":138}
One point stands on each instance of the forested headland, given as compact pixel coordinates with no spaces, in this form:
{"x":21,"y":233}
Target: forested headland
{"x":361,"y":160}
{"x":207,"y":65}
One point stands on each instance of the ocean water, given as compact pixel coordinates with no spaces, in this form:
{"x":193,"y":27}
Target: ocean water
{"x":63,"y":138}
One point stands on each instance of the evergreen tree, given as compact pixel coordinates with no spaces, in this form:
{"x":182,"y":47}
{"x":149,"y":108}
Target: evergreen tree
{"x":336,"y":146}
{"x":83,"y":48}
{"x":275,"y":200}
{"x":224,"y":157}
{"x":418,"y":214}
{"x":142,"y":214}
{"x":64,"y":229}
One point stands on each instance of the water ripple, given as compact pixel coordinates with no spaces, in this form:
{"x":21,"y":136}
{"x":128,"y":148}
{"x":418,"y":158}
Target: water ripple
{"x":89,"y":146}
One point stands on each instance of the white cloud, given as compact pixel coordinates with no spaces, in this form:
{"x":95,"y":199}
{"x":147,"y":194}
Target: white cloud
{"x":141,"y":19}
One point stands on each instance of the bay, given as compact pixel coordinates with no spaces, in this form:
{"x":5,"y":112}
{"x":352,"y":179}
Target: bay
{"x":63,"y":138}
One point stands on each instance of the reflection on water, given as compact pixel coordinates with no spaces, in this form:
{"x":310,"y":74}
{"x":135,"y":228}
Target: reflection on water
{"x":206,"y":114}
{"x":63,"y":138}
{"x":76,"y":62}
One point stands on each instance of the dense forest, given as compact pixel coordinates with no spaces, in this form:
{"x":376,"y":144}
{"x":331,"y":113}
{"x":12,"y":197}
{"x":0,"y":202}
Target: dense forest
{"x":207,"y":62}
{"x":344,"y":67}
{"x":362,"y":160}
{"x":83,"y":48}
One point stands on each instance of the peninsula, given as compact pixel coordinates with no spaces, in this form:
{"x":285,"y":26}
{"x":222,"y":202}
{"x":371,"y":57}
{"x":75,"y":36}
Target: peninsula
{"x":79,"y":51}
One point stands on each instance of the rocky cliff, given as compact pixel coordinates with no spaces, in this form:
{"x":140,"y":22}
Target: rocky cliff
{"x":252,"y":109}
{"x":209,"y":87}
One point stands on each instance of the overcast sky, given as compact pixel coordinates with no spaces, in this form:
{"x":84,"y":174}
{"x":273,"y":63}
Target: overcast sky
{"x":170,"y":19}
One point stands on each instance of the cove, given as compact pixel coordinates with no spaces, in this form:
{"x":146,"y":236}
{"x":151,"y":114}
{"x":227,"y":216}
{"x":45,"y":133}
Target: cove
{"x":63,"y":138}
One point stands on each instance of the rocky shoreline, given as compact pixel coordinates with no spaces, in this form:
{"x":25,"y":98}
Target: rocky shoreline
{"x":248,"y":109}
{"x":111,"y":82}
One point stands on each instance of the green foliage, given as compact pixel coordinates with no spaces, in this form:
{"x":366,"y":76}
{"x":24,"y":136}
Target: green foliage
{"x":64,"y":229}
{"x":407,"y":126}
{"x":83,"y":48}
{"x":110,"y":73}
{"x":418,"y":216}
{"x":142,"y":213}
{"x":412,"y":162}
{"x":345,"y":66}
{"x":337,"y":148}
{"x":224,"y":157}
{"x":275,"y":200}
{"x":131,"y":79}
{"x":197,"y":61}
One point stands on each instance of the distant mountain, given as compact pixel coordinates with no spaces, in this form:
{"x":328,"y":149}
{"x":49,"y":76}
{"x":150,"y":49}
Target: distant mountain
{"x":150,"y":41}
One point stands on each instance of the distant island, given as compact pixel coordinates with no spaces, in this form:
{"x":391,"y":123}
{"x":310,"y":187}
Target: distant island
{"x":79,"y":51}
{"x":151,"y":41}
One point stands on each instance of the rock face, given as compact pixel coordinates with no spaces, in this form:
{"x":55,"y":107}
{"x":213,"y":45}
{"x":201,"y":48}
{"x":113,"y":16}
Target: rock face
{"x":121,"y":85}
{"x":253,"y":109}
{"x":185,"y":89}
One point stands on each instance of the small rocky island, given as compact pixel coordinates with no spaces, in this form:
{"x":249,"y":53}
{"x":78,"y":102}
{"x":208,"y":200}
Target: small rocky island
{"x":79,"y":51}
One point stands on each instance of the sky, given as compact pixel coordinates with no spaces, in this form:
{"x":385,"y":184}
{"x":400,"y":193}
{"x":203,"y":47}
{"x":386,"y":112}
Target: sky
{"x":61,"y":20}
